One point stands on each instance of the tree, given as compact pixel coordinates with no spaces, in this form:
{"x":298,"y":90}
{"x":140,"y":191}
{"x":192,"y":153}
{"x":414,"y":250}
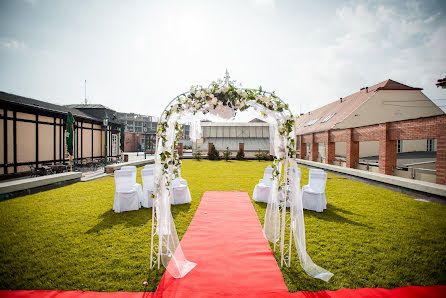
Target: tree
{"x":240,"y":154}
{"x":214,"y":154}
{"x":197,"y":155}
{"x":227,"y":154}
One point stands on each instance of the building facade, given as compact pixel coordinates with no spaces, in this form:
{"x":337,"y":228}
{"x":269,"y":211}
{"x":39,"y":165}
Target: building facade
{"x":384,"y":118}
{"x":251,"y":137}
{"x":140,"y":132}
{"x":32,"y":134}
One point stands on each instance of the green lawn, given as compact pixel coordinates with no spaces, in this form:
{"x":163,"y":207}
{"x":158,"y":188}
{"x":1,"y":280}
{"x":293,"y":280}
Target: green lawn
{"x":70,"y":239}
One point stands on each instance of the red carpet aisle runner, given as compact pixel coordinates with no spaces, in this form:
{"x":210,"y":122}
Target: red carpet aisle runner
{"x":233,"y":257}
{"x":404,"y":292}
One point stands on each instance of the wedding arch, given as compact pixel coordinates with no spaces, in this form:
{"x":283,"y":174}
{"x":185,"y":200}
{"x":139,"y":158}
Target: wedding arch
{"x":224,"y":99}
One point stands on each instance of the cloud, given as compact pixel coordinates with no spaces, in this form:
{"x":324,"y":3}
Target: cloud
{"x":268,"y":4}
{"x":12,"y":44}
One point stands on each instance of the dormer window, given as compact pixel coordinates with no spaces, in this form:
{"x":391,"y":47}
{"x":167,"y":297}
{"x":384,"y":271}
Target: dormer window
{"x":309,"y":123}
{"x":328,"y":118}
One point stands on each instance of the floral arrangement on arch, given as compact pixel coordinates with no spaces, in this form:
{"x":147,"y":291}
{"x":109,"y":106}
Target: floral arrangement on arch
{"x":223,"y":99}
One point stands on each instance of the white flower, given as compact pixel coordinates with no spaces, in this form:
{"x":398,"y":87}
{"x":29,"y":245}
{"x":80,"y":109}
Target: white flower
{"x":198,"y":94}
{"x":266,"y":100}
{"x":192,"y":89}
{"x":245,"y":95}
{"x":197,"y":105}
{"x":218,"y":91}
{"x":242,"y":104}
{"x":174,"y":108}
{"x":214,"y":100}
{"x":225,"y":89}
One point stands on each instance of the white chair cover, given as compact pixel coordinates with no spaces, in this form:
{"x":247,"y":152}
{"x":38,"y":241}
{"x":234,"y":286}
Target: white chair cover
{"x":127,"y":195}
{"x":130,"y":168}
{"x":148,"y":184}
{"x":133,"y":170}
{"x":313,"y":194}
{"x":262,"y":189}
{"x":268,"y":172}
{"x":181,"y":193}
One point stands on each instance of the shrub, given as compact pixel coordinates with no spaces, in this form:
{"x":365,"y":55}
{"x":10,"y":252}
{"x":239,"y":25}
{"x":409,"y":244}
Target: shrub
{"x":214,"y":154}
{"x":227,"y":154}
{"x":240,"y":154}
{"x":197,"y":155}
{"x":260,"y":155}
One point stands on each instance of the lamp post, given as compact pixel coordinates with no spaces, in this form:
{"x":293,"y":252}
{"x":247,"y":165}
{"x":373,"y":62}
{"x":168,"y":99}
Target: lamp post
{"x":137,"y":144}
{"x":145,"y":144}
{"x":105,"y":141}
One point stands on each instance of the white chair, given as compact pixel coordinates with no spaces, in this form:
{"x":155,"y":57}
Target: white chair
{"x":180,"y":179}
{"x":181,"y":193}
{"x":131,"y":169}
{"x":316,"y":170}
{"x":127,"y":195}
{"x":261,"y":190}
{"x":313,"y":194}
{"x":134,"y":171}
{"x":148,"y":185}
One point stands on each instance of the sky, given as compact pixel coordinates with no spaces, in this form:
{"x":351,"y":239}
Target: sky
{"x":136,"y":56}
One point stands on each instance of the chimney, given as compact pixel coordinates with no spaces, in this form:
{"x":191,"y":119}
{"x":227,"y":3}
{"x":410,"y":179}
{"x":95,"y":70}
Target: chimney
{"x":341,"y":99}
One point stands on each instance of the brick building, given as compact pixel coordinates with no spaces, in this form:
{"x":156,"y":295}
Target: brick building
{"x":140,"y":132}
{"x":385,"y":114}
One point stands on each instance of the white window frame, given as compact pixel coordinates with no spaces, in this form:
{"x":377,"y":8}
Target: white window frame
{"x":430,"y":145}
{"x":114,"y":144}
{"x":399,"y":146}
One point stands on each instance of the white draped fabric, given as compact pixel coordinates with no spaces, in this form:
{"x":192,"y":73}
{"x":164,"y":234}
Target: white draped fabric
{"x":272,"y":223}
{"x":171,"y":254}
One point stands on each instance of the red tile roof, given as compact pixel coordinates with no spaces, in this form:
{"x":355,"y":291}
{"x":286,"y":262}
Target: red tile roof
{"x":343,"y":108}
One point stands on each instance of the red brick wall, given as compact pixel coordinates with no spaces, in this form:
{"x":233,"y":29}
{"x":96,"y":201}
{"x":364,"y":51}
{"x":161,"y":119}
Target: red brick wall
{"x":130,"y":140}
{"x":387,"y":134}
{"x":303,"y":147}
{"x":387,"y":150}
{"x":352,"y":154}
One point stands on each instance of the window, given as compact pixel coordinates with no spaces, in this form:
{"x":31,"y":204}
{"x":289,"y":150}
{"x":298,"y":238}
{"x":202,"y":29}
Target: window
{"x":308,"y":149}
{"x":114,"y":144}
{"x":309,"y":123}
{"x":328,"y":118}
{"x":399,"y":146}
{"x":430,"y":145}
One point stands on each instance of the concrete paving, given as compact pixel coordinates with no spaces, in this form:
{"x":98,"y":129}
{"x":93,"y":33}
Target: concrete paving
{"x":421,"y":189}
{"x":18,"y":187}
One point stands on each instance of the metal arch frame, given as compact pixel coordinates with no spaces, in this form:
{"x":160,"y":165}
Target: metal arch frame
{"x":285,"y":249}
